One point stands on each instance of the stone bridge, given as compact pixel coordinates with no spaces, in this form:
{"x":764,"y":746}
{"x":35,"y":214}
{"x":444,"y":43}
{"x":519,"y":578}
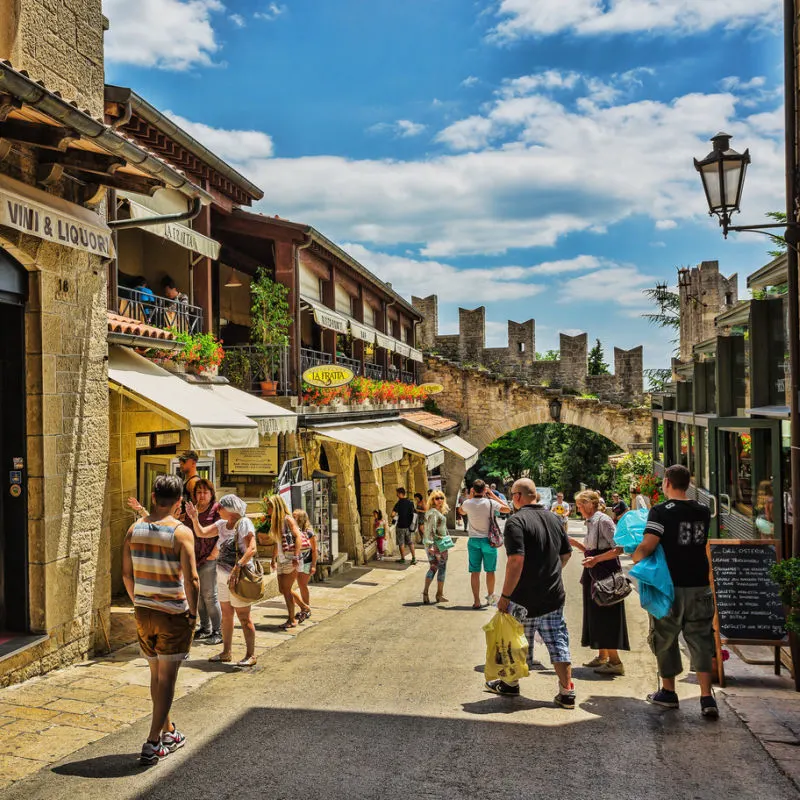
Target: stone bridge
{"x":488,"y":406}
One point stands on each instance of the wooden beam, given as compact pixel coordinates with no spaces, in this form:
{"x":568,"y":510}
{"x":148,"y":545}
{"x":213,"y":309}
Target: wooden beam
{"x":93,"y":194}
{"x":8,"y":103}
{"x":119,"y":180}
{"x":48,"y":137}
{"x":90,"y":162}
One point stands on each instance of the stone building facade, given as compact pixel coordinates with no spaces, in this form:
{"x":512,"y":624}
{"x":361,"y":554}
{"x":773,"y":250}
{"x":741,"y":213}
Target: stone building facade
{"x":518,"y":359}
{"x":66,"y":595}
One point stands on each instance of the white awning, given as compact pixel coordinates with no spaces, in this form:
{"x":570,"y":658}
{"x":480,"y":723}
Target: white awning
{"x":372,"y":438}
{"x":416,"y":355}
{"x":143,"y":207}
{"x":45,"y":216}
{"x":402,"y":348}
{"x":325,"y":317}
{"x":270,"y":418}
{"x":414,"y":443}
{"x":460,"y":447}
{"x":387,"y":342}
{"x":213,"y":423}
{"x":363,"y":332}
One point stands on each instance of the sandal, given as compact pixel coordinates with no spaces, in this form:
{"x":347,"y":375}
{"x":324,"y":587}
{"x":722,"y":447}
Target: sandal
{"x":478,"y":607}
{"x":303,"y":616}
{"x":251,"y":661}
{"x":426,"y":601}
{"x":286,"y":626}
{"x":220,"y":657}
{"x":440,"y":598}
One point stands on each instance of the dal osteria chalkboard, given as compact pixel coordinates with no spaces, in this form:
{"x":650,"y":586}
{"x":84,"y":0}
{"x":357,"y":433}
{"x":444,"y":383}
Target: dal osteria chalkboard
{"x":748,"y":608}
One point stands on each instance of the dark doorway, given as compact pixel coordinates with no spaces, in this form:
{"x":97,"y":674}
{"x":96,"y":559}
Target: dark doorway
{"x":13,"y":500}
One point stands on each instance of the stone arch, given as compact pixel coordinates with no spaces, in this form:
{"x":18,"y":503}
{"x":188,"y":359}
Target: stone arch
{"x":340,"y":459}
{"x":372,"y":496}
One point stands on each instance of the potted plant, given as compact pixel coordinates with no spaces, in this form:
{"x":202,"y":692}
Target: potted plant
{"x":206,"y":354}
{"x":237,"y":368}
{"x":786,"y":574}
{"x":270,"y":319}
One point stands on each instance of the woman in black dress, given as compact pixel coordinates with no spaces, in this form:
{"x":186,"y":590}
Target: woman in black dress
{"x":605,"y":628}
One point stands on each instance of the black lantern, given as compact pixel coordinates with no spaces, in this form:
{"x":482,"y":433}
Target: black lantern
{"x":555,"y":410}
{"x":722,"y":172}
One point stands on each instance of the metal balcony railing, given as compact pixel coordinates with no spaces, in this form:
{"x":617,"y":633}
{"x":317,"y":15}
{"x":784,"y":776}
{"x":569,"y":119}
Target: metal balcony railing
{"x":373,"y":371}
{"x":351,"y":363}
{"x":246,"y":366}
{"x":313,"y":358}
{"x":160,"y":312}
{"x":407,"y":377}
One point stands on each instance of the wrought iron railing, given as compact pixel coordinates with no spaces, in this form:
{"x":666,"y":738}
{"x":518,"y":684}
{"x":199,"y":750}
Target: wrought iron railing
{"x":407,"y":377}
{"x":373,"y":371}
{"x":313,"y":358}
{"x":246,"y":366}
{"x":160,"y":312}
{"x":352,"y":363}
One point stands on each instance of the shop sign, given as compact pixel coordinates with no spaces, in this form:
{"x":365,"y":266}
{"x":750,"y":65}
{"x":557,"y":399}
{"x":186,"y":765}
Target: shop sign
{"x":328,"y":376}
{"x":142,"y":441}
{"x":254,"y":460}
{"x":431,"y":388}
{"x":39,"y":220}
{"x":166,"y":439}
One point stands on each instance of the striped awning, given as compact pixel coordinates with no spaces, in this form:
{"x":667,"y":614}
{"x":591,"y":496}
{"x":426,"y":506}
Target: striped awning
{"x":387,"y":342}
{"x":326,"y":317}
{"x":362,"y":332}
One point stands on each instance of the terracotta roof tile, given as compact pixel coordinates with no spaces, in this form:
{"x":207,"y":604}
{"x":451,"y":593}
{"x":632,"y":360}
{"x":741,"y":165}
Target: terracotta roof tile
{"x":431,"y":422}
{"x":119,"y":324}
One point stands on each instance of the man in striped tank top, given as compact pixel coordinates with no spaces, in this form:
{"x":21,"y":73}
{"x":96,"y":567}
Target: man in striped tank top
{"x":160,"y":575}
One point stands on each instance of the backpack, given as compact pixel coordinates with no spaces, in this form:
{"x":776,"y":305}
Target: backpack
{"x":495,"y":535}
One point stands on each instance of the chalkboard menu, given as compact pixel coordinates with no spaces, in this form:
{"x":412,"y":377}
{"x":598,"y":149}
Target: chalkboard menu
{"x":749,"y":608}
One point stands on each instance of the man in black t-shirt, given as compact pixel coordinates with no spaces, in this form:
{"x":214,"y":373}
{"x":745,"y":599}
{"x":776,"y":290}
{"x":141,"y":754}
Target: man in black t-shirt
{"x":533,"y":590}
{"x":618,"y":507}
{"x":681,"y":526}
{"x":403,"y":514}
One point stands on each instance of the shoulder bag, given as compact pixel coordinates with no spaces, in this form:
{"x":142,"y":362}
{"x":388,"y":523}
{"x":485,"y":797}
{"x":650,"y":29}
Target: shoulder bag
{"x":250,"y":583}
{"x":611,"y":589}
{"x":495,"y":535}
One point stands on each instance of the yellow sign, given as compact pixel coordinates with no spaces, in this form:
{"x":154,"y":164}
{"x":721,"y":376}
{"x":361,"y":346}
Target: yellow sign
{"x":328,"y":376}
{"x":431,"y":388}
{"x":254,"y":460}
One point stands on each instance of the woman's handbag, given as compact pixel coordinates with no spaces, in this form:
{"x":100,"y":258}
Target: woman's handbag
{"x":612,"y":588}
{"x":445,"y":543}
{"x":249,"y":584}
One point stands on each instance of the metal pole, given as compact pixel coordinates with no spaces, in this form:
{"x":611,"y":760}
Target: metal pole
{"x":790,"y":80}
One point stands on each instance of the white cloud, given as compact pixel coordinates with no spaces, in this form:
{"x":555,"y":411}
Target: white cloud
{"x":402,"y":129}
{"x":470,"y":81}
{"x":734,"y":83}
{"x":234,"y":146}
{"x":166,"y":34}
{"x":658,"y":244}
{"x":549,"y":79}
{"x":272,"y":12}
{"x":666,"y":224}
{"x":620,"y":285}
{"x":453,"y":285}
{"x":521,"y":18}
{"x":524,"y":172}
{"x":238,"y":20}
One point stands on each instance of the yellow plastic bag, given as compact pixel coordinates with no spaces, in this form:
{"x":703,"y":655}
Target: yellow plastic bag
{"x":506,"y":649}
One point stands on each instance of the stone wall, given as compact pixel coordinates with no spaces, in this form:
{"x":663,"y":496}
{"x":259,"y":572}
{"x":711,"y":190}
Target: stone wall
{"x":704,"y":295}
{"x":59,"y":42}
{"x":518,"y":359}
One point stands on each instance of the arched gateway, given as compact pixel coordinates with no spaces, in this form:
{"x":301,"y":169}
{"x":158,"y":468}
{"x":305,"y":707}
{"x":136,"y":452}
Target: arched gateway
{"x":488,"y":406}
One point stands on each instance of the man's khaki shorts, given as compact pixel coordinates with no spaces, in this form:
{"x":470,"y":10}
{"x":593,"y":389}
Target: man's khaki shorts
{"x":167,"y":637}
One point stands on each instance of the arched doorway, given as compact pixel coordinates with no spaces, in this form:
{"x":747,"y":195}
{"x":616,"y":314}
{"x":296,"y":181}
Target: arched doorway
{"x":13,"y":494}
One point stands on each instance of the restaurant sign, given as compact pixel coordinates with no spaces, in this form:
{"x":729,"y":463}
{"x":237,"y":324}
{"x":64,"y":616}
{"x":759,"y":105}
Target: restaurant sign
{"x":431,"y":388}
{"x":82,"y":230}
{"x":328,"y":376}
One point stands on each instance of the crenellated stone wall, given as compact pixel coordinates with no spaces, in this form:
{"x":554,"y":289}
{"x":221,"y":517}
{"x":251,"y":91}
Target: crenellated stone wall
{"x":518,"y":358}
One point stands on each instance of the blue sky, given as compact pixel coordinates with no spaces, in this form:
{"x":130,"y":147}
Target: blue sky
{"x":532,"y":156}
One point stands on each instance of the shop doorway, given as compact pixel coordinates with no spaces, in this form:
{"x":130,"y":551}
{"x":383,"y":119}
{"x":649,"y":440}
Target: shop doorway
{"x":13,"y":487}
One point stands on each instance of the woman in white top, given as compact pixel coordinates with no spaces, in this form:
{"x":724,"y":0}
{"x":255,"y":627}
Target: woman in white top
{"x":234,"y":528}
{"x":639,"y":501}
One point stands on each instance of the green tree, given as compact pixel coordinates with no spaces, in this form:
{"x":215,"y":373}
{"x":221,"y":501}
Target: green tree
{"x":550,"y":355}
{"x":668,"y":316}
{"x":597,"y":364}
{"x":630,"y":468}
{"x":780,"y":241}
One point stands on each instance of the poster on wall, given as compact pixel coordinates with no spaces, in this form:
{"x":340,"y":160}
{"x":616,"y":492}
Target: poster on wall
{"x":255,"y":460}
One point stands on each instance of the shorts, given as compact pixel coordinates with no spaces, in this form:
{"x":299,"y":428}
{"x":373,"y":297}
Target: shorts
{"x":551,"y":627}
{"x":404,"y":537}
{"x":692,"y":614}
{"x":163,"y":636}
{"x":304,"y":567}
{"x":287,"y":567}
{"x":480,"y":552}
{"x":224,"y":593}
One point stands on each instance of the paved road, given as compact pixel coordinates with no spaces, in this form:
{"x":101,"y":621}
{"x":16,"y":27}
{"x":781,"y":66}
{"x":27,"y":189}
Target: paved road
{"x":386,"y":701}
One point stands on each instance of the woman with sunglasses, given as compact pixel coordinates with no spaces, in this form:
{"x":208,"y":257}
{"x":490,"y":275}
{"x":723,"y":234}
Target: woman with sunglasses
{"x":437,"y":542}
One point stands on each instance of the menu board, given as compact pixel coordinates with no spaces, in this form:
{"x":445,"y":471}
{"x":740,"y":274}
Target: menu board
{"x":749,"y":607}
{"x":255,"y":460}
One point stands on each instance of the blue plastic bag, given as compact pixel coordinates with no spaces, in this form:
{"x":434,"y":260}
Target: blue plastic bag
{"x":656,"y":590}
{"x":630,"y":530}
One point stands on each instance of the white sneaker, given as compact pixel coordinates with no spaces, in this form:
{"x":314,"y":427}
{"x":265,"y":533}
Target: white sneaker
{"x":491,"y":599}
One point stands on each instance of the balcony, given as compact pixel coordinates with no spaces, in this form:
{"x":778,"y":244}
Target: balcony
{"x":373,"y":371}
{"x":313,"y":358}
{"x":159,"y":312}
{"x":246,"y":366}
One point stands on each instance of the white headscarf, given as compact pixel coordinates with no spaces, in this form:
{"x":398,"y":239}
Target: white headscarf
{"x":234,"y":503}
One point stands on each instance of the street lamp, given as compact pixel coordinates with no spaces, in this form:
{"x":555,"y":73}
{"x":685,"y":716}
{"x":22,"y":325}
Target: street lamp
{"x":722,"y":172}
{"x":555,"y":410}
